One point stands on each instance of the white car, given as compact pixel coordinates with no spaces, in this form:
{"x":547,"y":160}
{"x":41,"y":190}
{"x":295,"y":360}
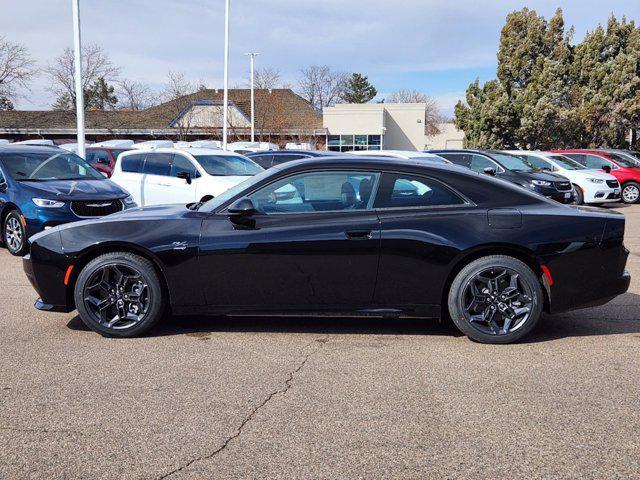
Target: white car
{"x":590,"y":186}
{"x":156,"y":176}
{"x":404,"y":154}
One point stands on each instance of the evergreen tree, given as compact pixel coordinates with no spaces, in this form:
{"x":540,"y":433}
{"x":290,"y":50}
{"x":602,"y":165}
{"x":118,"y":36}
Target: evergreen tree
{"x":358,"y":89}
{"x":100,"y":96}
{"x":5,"y":104}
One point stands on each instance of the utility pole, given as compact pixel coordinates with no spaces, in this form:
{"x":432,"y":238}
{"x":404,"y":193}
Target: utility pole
{"x":225,"y":114}
{"x":252,"y":56}
{"x":77,"y":50}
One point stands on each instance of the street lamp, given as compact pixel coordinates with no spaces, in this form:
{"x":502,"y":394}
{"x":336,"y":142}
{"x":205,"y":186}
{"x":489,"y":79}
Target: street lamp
{"x":226,"y":73}
{"x":252,"y":56}
{"x":77,"y":63}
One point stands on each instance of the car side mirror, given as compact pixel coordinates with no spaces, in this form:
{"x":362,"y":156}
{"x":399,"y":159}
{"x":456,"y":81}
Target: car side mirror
{"x":489,"y":171}
{"x":242,"y":207}
{"x":606,"y":168}
{"x":186,"y":176}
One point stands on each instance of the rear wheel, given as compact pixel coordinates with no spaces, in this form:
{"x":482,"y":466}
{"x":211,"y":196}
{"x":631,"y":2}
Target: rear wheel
{"x":495,"y":299}
{"x":631,"y":192}
{"x":14,"y":234}
{"x":119,"y":295}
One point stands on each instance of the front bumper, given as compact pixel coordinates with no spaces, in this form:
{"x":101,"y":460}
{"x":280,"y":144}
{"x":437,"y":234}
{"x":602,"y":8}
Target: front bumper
{"x":52,"y":291}
{"x":559,"y":196}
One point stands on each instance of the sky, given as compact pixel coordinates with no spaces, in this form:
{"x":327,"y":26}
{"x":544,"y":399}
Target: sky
{"x":435,"y":46}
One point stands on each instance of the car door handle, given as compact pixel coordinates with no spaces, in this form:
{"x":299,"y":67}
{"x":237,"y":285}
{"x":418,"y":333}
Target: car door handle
{"x":358,"y":234}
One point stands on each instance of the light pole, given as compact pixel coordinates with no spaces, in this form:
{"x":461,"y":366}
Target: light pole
{"x":252,"y":56}
{"x":77,"y":64}
{"x":226,"y":74}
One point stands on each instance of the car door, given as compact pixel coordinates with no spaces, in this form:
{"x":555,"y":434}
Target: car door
{"x":182,"y":190}
{"x":156,"y":180}
{"x":130,"y":174}
{"x":315,"y":249}
{"x":417,"y":227}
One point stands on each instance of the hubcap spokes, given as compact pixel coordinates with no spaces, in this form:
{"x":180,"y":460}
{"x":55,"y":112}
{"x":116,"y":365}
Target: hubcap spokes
{"x":496,"y":301}
{"x":631,"y":193}
{"x":13,"y":234}
{"x":117,"y":296}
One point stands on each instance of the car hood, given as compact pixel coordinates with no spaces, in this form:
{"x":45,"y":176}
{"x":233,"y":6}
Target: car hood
{"x":540,"y":175}
{"x":153,"y":212}
{"x":69,"y":190}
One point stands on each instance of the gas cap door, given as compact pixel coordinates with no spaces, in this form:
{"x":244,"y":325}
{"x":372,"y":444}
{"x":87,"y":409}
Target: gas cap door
{"x":504,"y":218}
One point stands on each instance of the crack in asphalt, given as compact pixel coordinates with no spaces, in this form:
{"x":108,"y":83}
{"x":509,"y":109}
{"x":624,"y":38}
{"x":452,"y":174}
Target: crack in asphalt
{"x":281,"y":391}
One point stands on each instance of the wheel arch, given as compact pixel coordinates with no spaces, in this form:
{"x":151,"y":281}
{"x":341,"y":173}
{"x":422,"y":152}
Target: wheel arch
{"x":95,"y":251}
{"x":523,"y":254}
{"x":6,"y":209}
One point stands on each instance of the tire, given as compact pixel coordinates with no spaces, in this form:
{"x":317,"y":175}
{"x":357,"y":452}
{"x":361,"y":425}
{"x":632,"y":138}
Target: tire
{"x":579,"y":199}
{"x":119,"y":295}
{"x":631,"y":192}
{"x":14,"y":234}
{"x":469,"y":312}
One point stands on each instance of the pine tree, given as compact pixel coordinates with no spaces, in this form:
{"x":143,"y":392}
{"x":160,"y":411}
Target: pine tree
{"x":100,"y":96}
{"x":358,"y":89}
{"x":6,"y":104}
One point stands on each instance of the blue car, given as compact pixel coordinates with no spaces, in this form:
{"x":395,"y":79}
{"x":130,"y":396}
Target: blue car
{"x":41,"y":187}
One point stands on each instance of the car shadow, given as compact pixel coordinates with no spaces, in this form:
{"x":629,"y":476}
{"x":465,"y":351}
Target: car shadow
{"x":622,"y":316}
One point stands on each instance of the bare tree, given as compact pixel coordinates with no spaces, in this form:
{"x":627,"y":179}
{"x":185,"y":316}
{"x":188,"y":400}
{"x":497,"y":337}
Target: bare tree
{"x":177,"y":95}
{"x":321,"y":86}
{"x":433,"y":116}
{"x":266,"y":78}
{"x":95,"y":65}
{"x":17,"y":68}
{"x":135,"y":95}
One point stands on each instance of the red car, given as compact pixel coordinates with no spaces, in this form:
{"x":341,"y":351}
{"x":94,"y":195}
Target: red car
{"x":103,"y":159}
{"x":626,"y":171}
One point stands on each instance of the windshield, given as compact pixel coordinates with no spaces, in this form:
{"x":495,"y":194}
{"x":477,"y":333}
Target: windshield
{"x":511,"y":162}
{"x":228,"y":165}
{"x":622,"y":160}
{"x":567,"y":163}
{"x":40,"y":167}
{"x":227,"y":195}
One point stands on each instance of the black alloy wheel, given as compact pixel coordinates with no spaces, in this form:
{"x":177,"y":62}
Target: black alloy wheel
{"x":495,"y":299}
{"x":119,"y":295}
{"x":14,"y":234}
{"x":578,"y":195}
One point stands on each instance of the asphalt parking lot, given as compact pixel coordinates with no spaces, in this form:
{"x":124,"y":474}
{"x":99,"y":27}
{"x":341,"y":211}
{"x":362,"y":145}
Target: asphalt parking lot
{"x":319,"y":398}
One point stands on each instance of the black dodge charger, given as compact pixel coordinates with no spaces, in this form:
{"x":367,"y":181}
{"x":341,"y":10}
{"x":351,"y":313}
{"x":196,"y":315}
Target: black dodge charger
{"x":342,"y":236}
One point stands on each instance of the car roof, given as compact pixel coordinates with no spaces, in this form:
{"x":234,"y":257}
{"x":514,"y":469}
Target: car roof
{"x":195,"y":151}
{"x":366,"y":161}
{"x":311,"y":153}
{"x":25,"y":148}
{"x":397,"y":153}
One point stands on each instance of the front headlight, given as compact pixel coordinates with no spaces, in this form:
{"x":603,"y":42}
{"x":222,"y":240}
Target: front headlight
{"x":45,"y":203}
{"x":541,"y":183}
{"x":129,"y":201}
{"x":595,"y":180}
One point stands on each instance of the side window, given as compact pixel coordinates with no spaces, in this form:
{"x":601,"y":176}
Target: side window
{"x":406,"y":191}
{"x":289,"y":157}
{"x":478,"y":163}
{"x":596,"y":162}
{"x":263,"y":160}
{"x":98,"y":156}
{"x":132,"y":163}
{"x":317,"y":192}
{"x":158,"y":164}
{"x":462,"y":159}
{"x":183,"y":164}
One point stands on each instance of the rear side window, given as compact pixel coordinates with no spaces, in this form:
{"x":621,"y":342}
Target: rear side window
{"x":158,"y":164}
{"x":98,"y":156}
{"x":408,"y":191}
{"x":289,"y":157}
{"x":263,"y":160}
{"x":132,"y":163}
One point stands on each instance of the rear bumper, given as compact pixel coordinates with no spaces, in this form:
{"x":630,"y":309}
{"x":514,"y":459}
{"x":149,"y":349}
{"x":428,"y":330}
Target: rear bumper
{"x":604,"y":294}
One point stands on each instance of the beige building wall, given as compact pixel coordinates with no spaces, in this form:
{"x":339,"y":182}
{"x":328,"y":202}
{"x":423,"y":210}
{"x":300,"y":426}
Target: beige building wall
{"x":449,"y":137}
{"x":402,"y":125}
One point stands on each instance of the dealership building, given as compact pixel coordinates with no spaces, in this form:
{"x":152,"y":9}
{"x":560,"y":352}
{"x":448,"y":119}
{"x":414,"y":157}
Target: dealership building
{"x":281,"y":116}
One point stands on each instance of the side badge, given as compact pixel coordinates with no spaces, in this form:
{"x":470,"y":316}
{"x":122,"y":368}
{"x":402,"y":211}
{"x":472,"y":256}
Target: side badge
{"x":179,"y":245}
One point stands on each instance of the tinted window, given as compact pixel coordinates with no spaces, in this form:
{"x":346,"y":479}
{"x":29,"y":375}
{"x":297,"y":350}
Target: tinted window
{"x":228,"y":165}
{"x":48,"y":166}
{"x":593,"y":162}
{"x":537,"y":162}
{"x":511,"y":162}
{"x":183,"y":164}
{"x":279,"y":159}
{"x":567,"y":162}
{"x":404,"y":191}
{"x":622,"y":160}
{"x":317,"y":192}
{"x":475,"y":162}
{"x":133,"y":163}
{"x":98,"y":156}
{"x":158,"y":164}
{"x":265,"y":161}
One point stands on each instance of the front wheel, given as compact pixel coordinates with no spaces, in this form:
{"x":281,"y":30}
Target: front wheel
{"x":119,"y":295}
{"x":14,"y":234}
{"x":578,"y":195}
{"x":495,"y":299}
{"x":631,"y":192}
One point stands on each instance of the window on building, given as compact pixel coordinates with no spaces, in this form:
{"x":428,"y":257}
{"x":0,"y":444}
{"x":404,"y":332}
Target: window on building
{"x":350,"y":143}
